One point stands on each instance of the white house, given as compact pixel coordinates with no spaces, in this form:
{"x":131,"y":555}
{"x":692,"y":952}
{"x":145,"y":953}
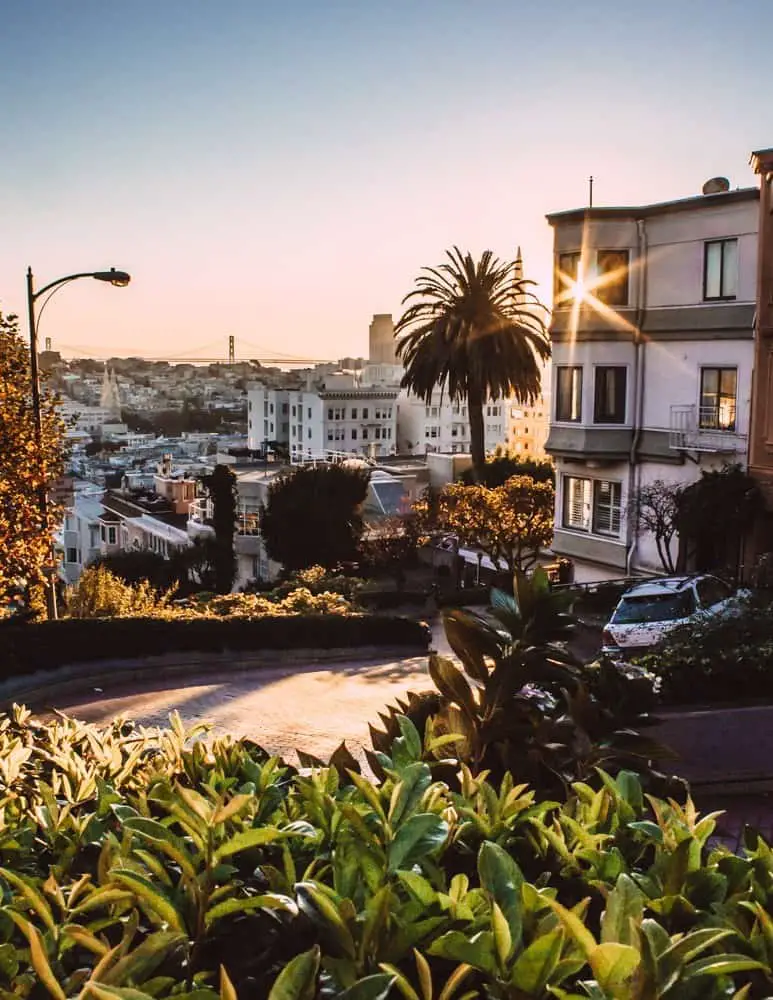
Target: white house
{"x":652,"y":334}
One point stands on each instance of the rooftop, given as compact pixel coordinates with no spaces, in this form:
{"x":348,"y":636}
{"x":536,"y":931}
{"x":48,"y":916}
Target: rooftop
{"x":690,"y":204}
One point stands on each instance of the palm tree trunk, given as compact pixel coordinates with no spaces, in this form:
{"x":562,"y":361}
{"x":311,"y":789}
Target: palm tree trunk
{"x":477,"y":435}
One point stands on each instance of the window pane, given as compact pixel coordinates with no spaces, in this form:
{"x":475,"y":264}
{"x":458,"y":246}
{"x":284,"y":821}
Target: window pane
{"x":713,"y":277}
{"x":568,"y":393}
{"x":729,"y":268}
{"x":577,"y":503}
{"x":609,"y":404}
{"x":727,"y":381}
{"x":606,"y":507}
{"x":612,"y":271}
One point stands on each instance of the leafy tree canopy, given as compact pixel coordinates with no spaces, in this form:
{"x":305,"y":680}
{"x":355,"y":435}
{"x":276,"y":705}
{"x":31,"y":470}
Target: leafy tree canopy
{"x":312,"y":516}
{"x":475,"y":330}
{"x":510,"y":523}
{"x":25,"y":469}
{"x":498,"y":470}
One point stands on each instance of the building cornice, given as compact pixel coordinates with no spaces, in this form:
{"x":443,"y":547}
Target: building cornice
{"x":699,"y":202}
{"x":364,"y":394}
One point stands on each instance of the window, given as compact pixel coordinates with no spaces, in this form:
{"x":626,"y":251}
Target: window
{"x":284,"y":407}
{"x":712,"y":591}
{"x":718,"y":396}
{"x":569,"y":393}
{"x":354,"y":413}
{"x":330,"y":435}
{"x":606,"y":507}
{"x":364,"y":433}
{"x":365,"y":413}
{"x":609,"y":401}
{"x":611,"y":286}
{"x":592,"y":505}
{"x":72,"y":555}
{"x":293,"y":411}
{"x":354,"y":433}
{"x":567,"y":273}
{"x":309,"y":413}
{"x":720,"y":270}
{"x":308,"y":434}
{"x":577,"y":503}
{"x":111,"y":538}
{"x":330,"y":413}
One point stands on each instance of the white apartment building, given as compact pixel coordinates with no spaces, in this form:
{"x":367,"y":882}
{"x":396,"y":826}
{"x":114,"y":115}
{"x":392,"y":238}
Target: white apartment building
{"x":652,"y":334}
{"x":444,"y":426}
{"x":528,"y":426}
{"x":337,"y":416}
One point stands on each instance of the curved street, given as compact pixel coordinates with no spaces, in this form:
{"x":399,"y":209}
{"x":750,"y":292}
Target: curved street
{"x":283,"y":708}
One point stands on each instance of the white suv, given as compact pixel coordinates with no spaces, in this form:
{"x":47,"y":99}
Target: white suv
{"x":647,"y":612}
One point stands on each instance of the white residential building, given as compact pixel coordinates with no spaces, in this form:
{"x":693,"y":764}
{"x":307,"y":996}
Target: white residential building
{"x":338,"y":415}
{"x":652,"y":335}
{"x":443,"y":426}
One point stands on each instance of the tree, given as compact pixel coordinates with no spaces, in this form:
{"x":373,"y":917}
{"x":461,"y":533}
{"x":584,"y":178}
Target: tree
{"x":390,"y":546}
{"x":221,"y":486}
{"x":476,"y":331}
{"x":655,"y":508}
{"x":509,"y":523}
{"x":26,"y":471}
{"x":312,"y":516}
{"x":498,"y":470}
{"x":715,"y":512}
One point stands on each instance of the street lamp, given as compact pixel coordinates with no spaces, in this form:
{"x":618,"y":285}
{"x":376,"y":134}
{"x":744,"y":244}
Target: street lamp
{"x":118,"y":278}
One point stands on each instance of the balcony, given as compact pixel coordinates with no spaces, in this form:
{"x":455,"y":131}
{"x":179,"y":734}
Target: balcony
{"x":200,"y":518}
{"x":704,"y":428}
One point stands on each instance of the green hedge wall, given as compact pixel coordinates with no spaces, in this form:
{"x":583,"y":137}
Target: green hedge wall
{"x":46,"y":645}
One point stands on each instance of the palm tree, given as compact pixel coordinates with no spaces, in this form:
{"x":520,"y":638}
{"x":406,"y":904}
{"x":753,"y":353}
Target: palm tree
{"x":477,"y":331}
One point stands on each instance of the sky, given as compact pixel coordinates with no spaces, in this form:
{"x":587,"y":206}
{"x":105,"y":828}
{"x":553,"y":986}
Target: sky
{"x":281,"y":171}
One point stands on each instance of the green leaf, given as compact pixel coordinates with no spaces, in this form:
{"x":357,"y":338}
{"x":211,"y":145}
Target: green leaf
{"x":451,"y":683}
{"x":39,"y":959}
{"x":574,"y":926}
{"x":652,"y":830}
{"x":407,"y":747}
{"x":227,"y":991}
{"x":154,"y":899}
{"x":375,"y":987}
{"x":613,"y":964}
{"x":320,"y":908}
{"x":140,"y":963}
{"x":533,"y":968}
{"x":34,"y":899}
{"x":101,"y":992}
{"x":623,"y":913}
{"x":419,"y":836}
{"x":266,"y":901}
{"x":720,"y":965}
{"x":477,"y":951}
{"x":159,"y":834}
{"x":245,"y":839}
{"x":503,"y":941}
{"x":501,"y":877}
{"x":298,"y":979}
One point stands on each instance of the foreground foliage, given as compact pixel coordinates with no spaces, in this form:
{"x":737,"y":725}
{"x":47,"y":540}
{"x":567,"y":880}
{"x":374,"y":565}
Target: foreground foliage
{"x":138,"y":864}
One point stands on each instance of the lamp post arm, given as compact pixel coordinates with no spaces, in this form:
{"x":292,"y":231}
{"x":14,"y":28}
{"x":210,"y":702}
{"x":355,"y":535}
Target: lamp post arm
{"x":59,"y":281}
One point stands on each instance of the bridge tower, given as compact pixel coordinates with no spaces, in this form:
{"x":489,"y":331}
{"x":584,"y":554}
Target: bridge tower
{"x":231,"y":349}
{"x":48,"y":343}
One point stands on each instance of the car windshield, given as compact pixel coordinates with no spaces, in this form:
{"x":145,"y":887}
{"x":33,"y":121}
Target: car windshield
{"x":654,"y":608}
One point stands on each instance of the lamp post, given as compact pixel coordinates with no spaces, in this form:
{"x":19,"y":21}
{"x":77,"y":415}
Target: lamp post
{"x":118,"y":278}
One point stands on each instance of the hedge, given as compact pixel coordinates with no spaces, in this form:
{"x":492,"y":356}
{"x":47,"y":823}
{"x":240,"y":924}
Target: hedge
{"x":47,"y":645}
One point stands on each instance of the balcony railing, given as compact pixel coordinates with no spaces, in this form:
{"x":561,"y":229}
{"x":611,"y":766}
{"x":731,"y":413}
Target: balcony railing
{"x":200,"y":511}
{"x":704,"y":428}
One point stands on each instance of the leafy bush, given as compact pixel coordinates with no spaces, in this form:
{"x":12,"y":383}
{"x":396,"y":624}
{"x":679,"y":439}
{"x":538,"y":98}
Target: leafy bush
{"x":144,"y":864}
{"x":715,"y":660}
{"x":46,"y":645}
{"x":101,"y":594}
{"x":518,"y":702}
{"x":319,"y":580}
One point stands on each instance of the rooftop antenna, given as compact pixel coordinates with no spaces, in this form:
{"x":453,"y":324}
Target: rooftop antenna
{"x":590,"y":191}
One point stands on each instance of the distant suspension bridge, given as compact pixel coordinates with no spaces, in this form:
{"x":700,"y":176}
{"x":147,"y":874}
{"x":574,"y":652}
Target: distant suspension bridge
{"x":196,"y":356}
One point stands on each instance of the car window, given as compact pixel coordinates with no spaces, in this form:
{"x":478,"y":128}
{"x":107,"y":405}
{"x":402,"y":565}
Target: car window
{"x":711,"y":591}
{"x":635,"y":610}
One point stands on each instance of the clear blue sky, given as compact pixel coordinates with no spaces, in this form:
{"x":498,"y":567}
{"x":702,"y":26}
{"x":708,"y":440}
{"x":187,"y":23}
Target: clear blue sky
{"x":281,"y":170}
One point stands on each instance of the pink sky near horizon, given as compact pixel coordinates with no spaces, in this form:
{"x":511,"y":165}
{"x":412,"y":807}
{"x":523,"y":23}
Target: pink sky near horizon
{"x":282,"y":175}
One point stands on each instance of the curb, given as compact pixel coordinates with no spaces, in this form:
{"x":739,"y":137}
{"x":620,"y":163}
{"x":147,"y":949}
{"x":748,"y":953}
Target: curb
{"x":40,"y":689}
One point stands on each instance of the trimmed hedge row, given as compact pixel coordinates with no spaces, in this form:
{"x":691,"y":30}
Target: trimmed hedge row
{"x":47,"y":645}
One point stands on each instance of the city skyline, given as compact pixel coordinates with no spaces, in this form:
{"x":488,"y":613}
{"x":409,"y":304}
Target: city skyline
{"x":282,"y":175}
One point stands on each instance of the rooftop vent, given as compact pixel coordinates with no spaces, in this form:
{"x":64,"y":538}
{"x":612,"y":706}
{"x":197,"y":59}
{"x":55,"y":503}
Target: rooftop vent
{"x":717,"y":185}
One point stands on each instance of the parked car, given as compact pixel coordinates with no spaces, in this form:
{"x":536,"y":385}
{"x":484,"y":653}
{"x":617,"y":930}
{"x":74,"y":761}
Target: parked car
{"x":648,"y":611}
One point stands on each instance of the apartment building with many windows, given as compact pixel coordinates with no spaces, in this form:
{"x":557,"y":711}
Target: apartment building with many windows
{"x":653,"y":343}
{"x":443,"y":425}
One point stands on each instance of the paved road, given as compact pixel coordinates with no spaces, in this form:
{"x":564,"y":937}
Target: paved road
{"x":312,"y":708}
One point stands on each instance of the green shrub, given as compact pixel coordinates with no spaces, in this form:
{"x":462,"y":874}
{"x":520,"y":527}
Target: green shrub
{"x":138,"y":864}
{"x":101,"y":594}
{"x":716,"y":660}
{"x":46,"y":645}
